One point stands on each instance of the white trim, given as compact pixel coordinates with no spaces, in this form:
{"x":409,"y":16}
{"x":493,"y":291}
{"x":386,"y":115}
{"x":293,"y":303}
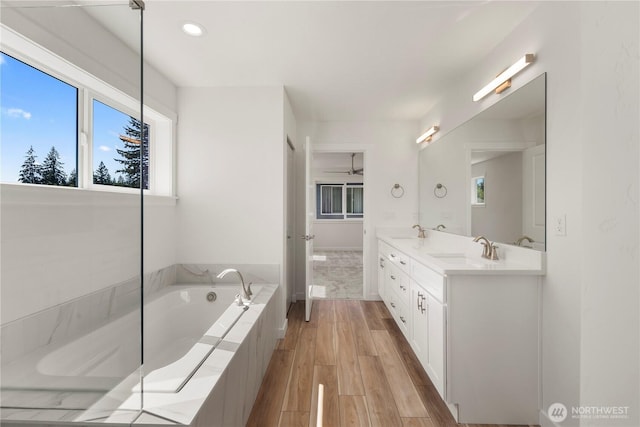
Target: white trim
{"x":338,"y":248}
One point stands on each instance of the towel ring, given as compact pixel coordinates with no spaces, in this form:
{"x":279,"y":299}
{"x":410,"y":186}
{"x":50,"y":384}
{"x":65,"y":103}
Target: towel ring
{"x":440,"y":191}
{"x":397,"y":191}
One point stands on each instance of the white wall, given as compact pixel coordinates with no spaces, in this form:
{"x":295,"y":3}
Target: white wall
{"x":590,"y":297}
{"x":231,"y":175}
{"x":390,"y":157}
{"x":59,"y":244}
{"x":338,"y":235}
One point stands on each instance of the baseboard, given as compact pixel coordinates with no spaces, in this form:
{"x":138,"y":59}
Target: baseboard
{"x":283,"y":330}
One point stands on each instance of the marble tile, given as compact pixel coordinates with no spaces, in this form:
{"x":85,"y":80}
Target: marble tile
{"x":206,"y":273}
{"x":338,"y":274}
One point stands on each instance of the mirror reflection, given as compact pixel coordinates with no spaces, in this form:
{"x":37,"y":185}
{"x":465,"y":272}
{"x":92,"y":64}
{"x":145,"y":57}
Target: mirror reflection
{"x":487,"y":177}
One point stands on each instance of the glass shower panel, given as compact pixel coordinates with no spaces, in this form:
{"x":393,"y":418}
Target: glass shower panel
{"x":70,"y":247}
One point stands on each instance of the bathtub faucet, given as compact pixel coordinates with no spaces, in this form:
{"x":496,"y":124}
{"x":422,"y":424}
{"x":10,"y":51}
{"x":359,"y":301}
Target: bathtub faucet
{"x":246,"y":292}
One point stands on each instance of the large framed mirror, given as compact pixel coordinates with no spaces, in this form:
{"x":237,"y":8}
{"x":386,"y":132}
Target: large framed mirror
{"x":487,"y":176}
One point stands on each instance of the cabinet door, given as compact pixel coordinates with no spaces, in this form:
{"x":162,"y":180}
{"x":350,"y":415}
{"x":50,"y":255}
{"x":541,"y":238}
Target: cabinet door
{"x":435,"y":351}
{"x":420,"y":325}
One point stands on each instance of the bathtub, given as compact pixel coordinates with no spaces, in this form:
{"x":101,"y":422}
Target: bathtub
{"x":191,"y":336}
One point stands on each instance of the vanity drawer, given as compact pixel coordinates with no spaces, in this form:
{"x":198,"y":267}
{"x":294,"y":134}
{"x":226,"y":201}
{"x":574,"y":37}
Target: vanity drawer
{"x":428,"y":279}
{"x":399,"y":281}
{"x":400,"y":313}
{"x":401,"y":260}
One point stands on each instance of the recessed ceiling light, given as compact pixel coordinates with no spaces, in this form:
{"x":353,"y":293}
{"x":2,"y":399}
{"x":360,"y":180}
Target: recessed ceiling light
{"x":192,"y":29}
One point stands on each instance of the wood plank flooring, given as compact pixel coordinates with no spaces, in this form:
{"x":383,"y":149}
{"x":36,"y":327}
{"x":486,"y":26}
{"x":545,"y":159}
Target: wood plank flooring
{"x":370,"y":374}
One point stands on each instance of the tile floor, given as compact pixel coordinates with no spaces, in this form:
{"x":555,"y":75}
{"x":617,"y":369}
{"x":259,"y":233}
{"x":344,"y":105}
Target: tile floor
{"x":338,"y":274}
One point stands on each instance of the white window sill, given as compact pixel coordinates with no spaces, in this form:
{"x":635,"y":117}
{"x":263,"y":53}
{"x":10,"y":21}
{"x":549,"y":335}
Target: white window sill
{"x":34,"y":194}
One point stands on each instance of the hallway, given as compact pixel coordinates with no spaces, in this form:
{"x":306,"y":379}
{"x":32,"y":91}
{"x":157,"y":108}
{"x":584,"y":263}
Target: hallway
{"x":370,"y":374}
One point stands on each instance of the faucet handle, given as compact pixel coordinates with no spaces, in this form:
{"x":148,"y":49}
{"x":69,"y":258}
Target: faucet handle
{"x":493,"y":252}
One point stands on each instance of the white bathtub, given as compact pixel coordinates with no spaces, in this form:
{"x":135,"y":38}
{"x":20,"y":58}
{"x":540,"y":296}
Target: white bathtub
{"x":181,"y":331}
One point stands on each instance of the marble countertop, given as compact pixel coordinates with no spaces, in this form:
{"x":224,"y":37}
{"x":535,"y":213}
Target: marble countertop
{"x":450,"y":254}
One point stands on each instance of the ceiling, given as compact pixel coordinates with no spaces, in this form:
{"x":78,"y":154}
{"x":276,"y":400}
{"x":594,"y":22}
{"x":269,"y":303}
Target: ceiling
{"x":338,"y":60}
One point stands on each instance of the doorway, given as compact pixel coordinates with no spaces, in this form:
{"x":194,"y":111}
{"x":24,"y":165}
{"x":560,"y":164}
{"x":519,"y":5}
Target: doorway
{"x":338,"y":258}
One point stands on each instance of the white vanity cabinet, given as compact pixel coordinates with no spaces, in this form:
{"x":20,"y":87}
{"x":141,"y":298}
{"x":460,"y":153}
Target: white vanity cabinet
{"x":428,"y":338}
{"x":474,"y":329}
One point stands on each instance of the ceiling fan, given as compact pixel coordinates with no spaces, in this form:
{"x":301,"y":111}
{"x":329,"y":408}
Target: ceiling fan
{"x":352,"y":171}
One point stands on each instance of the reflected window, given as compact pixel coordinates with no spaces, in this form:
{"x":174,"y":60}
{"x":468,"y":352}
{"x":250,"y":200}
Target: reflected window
{"x":39,"y":129}
{"x":477,"y":190}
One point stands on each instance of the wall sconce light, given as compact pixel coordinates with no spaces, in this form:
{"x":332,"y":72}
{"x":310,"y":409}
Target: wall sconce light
{"x":503,"y":81}
{"x":426,"y":137}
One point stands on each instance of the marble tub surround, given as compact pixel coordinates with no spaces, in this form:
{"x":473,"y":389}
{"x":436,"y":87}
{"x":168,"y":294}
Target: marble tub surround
{"x":445,"y":253}
{"x":206,"y":273}
{"x":77,"y":317}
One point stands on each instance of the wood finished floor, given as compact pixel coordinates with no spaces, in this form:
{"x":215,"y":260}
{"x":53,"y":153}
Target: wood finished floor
{"x":370,"y":374}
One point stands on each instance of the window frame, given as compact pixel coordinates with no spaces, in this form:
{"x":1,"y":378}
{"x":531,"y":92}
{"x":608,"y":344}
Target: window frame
{"x":343,"y":215}
{"x":89,"y":88}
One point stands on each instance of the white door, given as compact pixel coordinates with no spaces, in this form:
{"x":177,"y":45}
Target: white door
{"x":533,"y":205}
{"x":308,"y":237}
{"x":290,"y":250}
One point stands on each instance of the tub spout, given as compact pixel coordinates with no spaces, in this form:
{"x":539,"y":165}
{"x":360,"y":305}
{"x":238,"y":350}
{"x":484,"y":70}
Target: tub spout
{"x":245,"y":294}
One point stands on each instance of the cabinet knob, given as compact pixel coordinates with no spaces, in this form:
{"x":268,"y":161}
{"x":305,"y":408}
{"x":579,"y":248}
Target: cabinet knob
{"x":402,"y":319}
{"x":393,"y":277}
{"x":403,"y":263}
{"x":392,"y":305}
{"x":404,"y":288}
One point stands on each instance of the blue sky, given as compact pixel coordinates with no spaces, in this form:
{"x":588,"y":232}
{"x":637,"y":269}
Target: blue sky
{"x":40,"y":111}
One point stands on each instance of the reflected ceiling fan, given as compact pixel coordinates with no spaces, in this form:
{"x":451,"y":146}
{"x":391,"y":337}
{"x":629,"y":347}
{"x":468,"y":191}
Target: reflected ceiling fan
{"x":352,"y":171}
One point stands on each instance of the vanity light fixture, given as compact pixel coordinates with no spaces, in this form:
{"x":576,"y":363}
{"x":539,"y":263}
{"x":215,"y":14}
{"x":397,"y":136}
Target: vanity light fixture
{"x":192,"y":29}
{"x":426,"y":137}
{"x":503,"y":81}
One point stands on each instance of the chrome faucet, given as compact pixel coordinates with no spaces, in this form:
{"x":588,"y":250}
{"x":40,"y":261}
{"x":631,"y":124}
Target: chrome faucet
{"x":525,"y":237}
{"x":489,"y":250}
{"x":246,"y":291}
{"x":440,"y":227}
{"x":421,"y":231}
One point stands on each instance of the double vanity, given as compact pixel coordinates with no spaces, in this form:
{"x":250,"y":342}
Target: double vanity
{"x":472,"y":322}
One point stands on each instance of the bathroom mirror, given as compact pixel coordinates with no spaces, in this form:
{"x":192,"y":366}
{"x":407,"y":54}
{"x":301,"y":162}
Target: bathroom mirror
{"x":487,"y":176}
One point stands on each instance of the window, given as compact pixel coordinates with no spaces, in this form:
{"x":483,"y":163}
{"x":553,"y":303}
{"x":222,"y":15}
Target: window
{"x":339,"y":201}
{"x":477,"y":191}
{"x":39,"y":129}
{"x":63,"y":126}
{"x":116,"y":148}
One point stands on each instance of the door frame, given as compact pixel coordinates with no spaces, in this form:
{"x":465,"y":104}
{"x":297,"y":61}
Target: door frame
{"x":365,"y":149}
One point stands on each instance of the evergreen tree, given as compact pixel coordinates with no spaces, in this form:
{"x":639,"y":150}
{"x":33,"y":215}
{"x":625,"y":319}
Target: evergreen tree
{"x":72,"y":181}
{"x":132,"y":166}
{"x":52,"y":169}
{"x":101,"y":175}
{"x":30,"y":170}
{"x":120,"y":181}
